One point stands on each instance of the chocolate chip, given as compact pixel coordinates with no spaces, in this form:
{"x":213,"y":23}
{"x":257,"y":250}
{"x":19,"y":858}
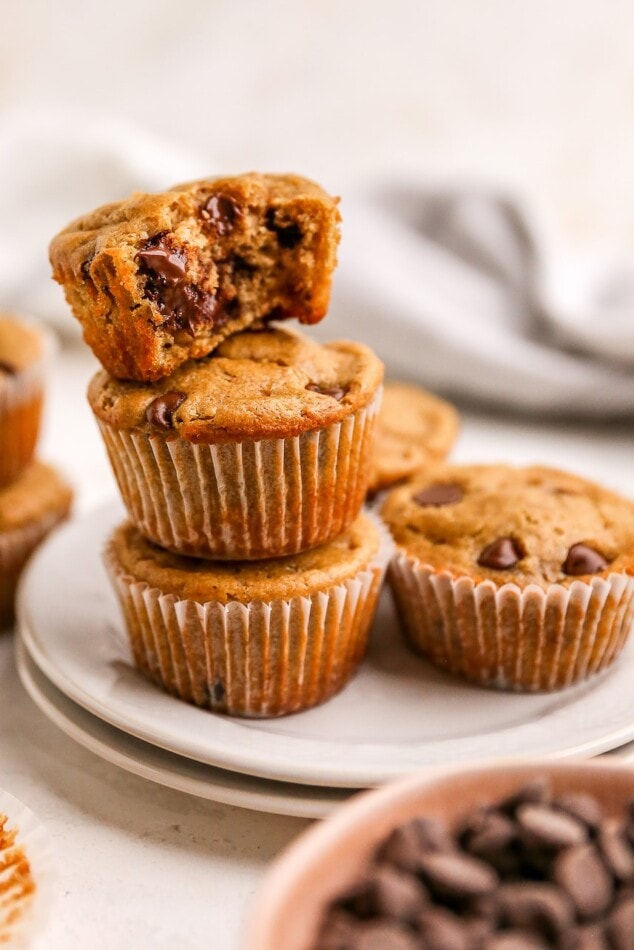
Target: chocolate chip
{"x":620,"y":926}
{"x":501,"y":554}
{"x":160,"y":411}
{"x":491,"y":835}
{"x":442,"y":930}
{"x":452,"y":874}
{"x":583,"y":875}
{"x":224,"y":211}
{"x":581,"y":806}
{"x":538,"y":790}
{"x":170,"y":265}
{"x":8,"y":368}
{"x":288,"y":235}
{"x":591,"y":937}
{"x":515,"y":940}
{"x":616,"y":850}
{"x":335,"y":391}
{"x":544,"y":825}
{"x":582,"y":559}
{"x":381,"y":935}
{"x":387,"y":892}
{"x":543,"y":908}
{"x":438,"y":495}
{"x":409,"y":842}
{"x":218,"y":691}
{"x":337,"y":932}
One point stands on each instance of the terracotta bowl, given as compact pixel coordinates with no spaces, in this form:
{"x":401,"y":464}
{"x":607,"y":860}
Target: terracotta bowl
{"x":328,"y":857}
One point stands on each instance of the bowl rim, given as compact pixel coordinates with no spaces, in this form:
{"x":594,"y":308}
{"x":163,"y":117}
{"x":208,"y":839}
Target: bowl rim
{"x":317,"y":840}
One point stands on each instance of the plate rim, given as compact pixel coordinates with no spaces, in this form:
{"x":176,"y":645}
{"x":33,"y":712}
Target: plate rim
{"x":269,"y":801}
{"x":261,"y":764}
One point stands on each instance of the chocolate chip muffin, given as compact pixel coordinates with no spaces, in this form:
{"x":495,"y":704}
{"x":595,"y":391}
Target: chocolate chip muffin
{"x":517,"y":578}
{"x":414,"y":428}
{"x":29,"y":509}
{"x":24,"y":351}
{"x":159,"y":279}
{"x":249,"y":639}
{"x":260,"y":450}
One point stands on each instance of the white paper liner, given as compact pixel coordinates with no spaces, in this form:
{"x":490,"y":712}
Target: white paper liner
{"x":256,"y":660}
{"x":245,"y":500}
{"x":24,"y":912}
{"x":16,"y":546}
{"x":21,"y":399}
{"x":529,"y":639}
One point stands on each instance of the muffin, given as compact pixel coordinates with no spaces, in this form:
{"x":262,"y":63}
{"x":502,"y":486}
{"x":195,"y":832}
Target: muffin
{"x":157,"y":280}
{"x":414,"y":428}
{"x":23,"y":355}
{"x":260,"y":450}
{"x":29,"y":509}
{"x":250,"y":639}
{"x":519,"y":578}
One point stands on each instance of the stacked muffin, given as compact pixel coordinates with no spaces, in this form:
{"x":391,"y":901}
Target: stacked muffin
{"x":247,"y":575}
{"x":33,"y":496}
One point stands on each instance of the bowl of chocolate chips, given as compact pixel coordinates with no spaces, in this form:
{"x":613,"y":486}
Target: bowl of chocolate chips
{"x":523,"y":856}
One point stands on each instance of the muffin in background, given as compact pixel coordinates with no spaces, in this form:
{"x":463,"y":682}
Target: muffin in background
{"x":518,"y":578}
{"x":258,"y":639}
{"x":24,"y":354}
{"x":261,"y":450}
{"x":414,"y":428}
{"x":29,"y":509}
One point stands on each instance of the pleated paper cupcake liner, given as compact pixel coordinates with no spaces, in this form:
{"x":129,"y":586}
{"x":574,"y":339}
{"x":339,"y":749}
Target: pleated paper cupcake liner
{"x":529,"y":639}
{"x":261,"y":659}
{"x":16,"y":546}
{"x":245,"y":500}
{"x":21,"y":401}
{"x":27,"y":875}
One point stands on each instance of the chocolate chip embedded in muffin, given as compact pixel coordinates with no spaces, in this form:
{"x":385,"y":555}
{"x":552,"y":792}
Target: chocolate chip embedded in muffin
{"x":438,"y":495}
{"x":501,"y":554}
{"x":160,"y":279}
{"x":160,"y":412}
{"x":582,"y":559}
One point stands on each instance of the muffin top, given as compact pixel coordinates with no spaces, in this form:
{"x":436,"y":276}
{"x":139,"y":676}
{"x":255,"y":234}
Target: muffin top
{"x":39,"y":491}
{"x":522,"y":525}
{"x":20,"y":345}
{"x":413,"y":428}
{"x":271,"y":383}
{"x":300,"y":575}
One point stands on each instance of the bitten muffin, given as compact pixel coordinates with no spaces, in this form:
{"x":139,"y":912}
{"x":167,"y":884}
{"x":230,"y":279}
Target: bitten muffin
{"x":29,"y":509}
{"x":250,"y":639}
{"x":260,"y":450}
{"x":520,"y":578}
{"x":160,"y":279}
{"x":414,"y":428}
{"x":23,"y":355}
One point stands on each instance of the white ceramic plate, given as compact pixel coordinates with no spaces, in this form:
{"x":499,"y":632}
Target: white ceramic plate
{"x":398,"y":715}
{"x":165,"y":768}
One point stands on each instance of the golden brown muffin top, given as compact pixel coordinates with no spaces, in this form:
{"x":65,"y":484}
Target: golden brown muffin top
{"x":413,"y":428}
{"x":20,"y":345}
{"x":263,"y":384}
{"x":531,"y":525}
{"x":300,"y":575}
{"x":158,"y":279}
{"x":39,"y":491}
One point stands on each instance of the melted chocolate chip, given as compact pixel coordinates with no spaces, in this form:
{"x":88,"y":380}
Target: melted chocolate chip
{"x":170,"y":265}
{"x":582,"y":559}
{"x":223,"y":211}
{"x":288,"y":235}
{"x":185,"y":306}
{"x":335,"y":391}
{"x":161,"y":410}
{"x":8,"y":368}
{"x":438,"y":495}
{"x":501,"y":554}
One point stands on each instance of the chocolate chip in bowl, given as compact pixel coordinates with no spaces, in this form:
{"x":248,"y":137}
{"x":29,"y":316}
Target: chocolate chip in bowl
{"x":474,"y":859}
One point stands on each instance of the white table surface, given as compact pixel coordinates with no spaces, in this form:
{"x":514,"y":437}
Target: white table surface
{"x":142,"y":866}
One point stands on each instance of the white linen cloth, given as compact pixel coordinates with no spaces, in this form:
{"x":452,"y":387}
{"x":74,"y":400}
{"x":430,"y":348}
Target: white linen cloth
{"x":457,"y":288}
